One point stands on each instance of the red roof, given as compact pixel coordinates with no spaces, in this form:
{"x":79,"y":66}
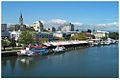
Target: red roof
{"x":38,"y":46}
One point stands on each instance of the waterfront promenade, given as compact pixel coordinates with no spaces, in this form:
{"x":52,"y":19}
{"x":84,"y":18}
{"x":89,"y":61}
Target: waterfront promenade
{"x":67,"y":44}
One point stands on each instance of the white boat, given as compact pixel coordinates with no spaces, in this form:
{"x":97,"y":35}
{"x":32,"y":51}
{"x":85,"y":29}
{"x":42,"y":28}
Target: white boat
{"x":59,"y":49}
{"x":107,"y":43}
{"x":25,"y":53}
{"x":37,"y":50}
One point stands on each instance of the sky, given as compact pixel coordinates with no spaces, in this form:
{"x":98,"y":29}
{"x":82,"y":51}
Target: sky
{"x":79,"y":13}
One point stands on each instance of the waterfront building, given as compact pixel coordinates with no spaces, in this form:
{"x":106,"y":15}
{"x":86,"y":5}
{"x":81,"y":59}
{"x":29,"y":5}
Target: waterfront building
{"x":44,"y":35}
{"x":101,"y":34}
{"x":58,"y":34}
{"x":4,"y":31}
{"x":38,"y":26}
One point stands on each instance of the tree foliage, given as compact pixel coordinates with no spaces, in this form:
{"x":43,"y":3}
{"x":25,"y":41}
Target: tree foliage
{"x":27,"y":37}
{"x":5,"y":43}
{"x":79,"y":36}
{"x":62,"y":39}
{"x":12,"y":43}
{"x":114,"y":35}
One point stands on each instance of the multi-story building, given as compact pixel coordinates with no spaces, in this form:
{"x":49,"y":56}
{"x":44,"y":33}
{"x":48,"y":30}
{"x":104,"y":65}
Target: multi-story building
{"x":14,"y":35}
{"x":44,"y":35}
{"x":38,"y":26}
{"x":4,"y":31}
{"x":67,"y":27}
{"x":101,"y":34}
{"x":16,"y":27}
{"x":58,"y":34}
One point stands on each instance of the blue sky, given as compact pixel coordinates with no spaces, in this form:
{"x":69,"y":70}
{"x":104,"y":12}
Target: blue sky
{"x":82,"y":12}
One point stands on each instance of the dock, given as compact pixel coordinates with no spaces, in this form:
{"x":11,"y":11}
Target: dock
{"x":69,"y":45}
{"x":9,"y":53}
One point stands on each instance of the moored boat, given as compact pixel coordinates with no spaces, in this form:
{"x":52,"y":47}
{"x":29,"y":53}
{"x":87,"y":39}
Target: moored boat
{"x":59,"y":49}
{"x":33,"y":51}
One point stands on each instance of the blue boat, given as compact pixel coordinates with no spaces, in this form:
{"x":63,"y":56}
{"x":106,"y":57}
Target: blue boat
{"x":33,"y":51}
{"x":41,"y":51}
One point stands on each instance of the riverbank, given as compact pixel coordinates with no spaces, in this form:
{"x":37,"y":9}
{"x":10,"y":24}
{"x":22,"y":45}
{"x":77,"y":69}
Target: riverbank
{"x":69,"y":45}
{"x":92,"y":62}
{"x":50,"y":51}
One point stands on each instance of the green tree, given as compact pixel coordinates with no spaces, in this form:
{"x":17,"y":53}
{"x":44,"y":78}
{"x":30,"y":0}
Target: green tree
{"x":13,"y":43}
{"x":27,"y":37}
{"x":79,"y":36}
{"x":62,"y":39}
{"x":5,"y":43}
{"x":114,"y":35}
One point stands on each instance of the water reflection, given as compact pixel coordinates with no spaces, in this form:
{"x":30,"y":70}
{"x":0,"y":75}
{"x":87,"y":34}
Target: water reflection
{"x":87,"y":62}
{"x":11,"y":61}
{"x":25,"y":62}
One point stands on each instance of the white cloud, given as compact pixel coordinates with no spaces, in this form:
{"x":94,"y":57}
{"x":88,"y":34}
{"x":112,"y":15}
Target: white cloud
{"x":113,"y":24}
{"x":57,"y":21}
{"x":77,"y":23}
{"x":53,"y":23}
{"x":108,"y":26}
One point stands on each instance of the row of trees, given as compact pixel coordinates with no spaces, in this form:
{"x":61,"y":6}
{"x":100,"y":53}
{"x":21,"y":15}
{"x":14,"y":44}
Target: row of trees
{"x":79,"y":36}
{"x":114,"y":35}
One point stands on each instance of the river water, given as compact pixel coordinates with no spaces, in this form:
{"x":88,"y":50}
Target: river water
{"x":92,"y":62}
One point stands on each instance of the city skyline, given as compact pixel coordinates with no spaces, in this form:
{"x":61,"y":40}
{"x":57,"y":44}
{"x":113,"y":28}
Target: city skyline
{"x":97,"y":13}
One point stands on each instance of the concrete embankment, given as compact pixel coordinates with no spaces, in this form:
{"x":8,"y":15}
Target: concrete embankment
{"x":9,"y":53}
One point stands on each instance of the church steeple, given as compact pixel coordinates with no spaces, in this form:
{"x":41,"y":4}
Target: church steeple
{"x":21,"y":19}
{"x":21,"y":15}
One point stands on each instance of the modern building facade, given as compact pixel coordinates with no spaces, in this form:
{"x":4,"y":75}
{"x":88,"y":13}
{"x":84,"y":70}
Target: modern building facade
{"x":38,"y":26}
{"x":4,"y":31}
{"x":67,"y":27}
{"x":44,"y":35}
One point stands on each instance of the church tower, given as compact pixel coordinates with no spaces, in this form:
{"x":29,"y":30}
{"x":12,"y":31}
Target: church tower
{"x":21,"y":20}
